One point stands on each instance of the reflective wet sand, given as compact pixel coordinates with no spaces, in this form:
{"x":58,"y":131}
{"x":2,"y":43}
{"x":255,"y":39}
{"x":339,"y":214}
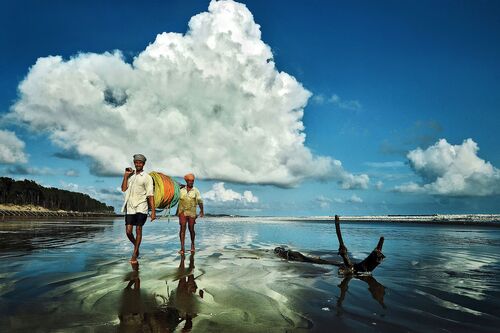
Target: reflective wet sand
{"x":75,"y":276}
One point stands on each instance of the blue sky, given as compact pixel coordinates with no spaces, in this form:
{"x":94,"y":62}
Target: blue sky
{"x":397,"y":101}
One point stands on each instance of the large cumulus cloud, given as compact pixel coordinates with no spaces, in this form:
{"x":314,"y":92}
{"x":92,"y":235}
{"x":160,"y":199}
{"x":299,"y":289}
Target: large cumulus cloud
{"x":210,"y":101}
{"x":453,"y":170}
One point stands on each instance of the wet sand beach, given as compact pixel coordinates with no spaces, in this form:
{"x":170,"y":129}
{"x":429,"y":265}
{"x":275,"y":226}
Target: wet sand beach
{"x":75,"y":276}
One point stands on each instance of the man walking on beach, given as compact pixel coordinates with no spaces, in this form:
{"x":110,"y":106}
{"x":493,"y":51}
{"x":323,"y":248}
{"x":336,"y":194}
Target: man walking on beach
{"x":189,"y":198}
{"x":138,"y":186}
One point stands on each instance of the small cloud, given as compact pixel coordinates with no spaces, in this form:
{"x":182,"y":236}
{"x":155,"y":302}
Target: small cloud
{"x":11,"y":148}
{"x":379,"y":185}
{"x":337,"y":102}
{"x":324,"y":202}
{"x":352,"y":105}
{"x":452,"y":170}
{"x":318,"y":99}
{"x":72,"y":173}
{"x":355,"y":199}
{"x":71,"y":187}
{"x":351,"y":182}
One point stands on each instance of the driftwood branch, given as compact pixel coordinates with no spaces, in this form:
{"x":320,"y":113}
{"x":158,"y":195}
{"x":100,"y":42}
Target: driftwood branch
{"x":347,"y":267}
{"x":342,"y":248}
{"x":369,"y":264}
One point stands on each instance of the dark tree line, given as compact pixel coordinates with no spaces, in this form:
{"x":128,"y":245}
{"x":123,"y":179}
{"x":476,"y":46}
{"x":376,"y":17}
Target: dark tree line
{"x":28,"y":192}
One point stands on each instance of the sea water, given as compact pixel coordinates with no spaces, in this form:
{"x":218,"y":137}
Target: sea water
{"x":76,"y":276}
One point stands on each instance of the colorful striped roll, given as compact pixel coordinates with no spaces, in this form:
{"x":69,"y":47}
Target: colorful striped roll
{"x":166,"y":190}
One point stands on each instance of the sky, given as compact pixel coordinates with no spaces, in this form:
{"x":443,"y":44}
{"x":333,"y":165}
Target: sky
{"x":280,"y":108}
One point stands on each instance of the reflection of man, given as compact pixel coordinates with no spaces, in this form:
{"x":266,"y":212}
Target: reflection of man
{"x":190,"y":197}
{"x":138,"y":186}
{"x":185,"y":295}
{"x":132,"y":309}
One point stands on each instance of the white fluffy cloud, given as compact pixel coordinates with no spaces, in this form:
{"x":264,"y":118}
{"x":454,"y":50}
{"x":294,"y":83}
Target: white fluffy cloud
{"x":219,"y":193}
{"x":210,"y":101}
{"x":11,"y":148}
{"x":453,"y":170}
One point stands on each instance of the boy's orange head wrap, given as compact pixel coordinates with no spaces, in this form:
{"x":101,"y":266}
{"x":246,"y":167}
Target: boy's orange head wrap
{"x":189,"y":177}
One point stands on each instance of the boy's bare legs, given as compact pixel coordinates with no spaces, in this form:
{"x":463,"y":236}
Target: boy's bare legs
{"x":182,"y":232}
{"x":192,"y":234}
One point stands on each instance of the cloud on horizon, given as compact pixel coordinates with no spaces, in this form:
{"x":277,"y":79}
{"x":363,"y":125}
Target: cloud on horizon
{"x":210,"y":101}
{"x":325,"y":202}
{"x":452,"y":170}
{"x":219,"y":193}
{"x":11,"y":148}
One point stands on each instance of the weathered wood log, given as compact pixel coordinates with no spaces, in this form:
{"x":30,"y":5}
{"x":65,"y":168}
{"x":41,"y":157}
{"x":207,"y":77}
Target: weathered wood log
{"x":297,"y":256}
{"x":347,"y":267}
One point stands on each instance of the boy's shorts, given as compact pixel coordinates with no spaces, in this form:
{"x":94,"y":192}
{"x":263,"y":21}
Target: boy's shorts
{"x":183,"y":219}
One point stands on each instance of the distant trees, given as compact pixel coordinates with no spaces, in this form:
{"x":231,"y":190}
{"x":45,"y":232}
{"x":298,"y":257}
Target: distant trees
{"x":28,"y":192}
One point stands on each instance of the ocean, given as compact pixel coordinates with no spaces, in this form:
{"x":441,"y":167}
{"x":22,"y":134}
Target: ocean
{"x":75,"y":276}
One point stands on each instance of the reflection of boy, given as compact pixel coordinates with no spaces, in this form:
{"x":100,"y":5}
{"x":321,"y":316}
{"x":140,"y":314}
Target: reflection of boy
{"x":139,"y":310}
{"x":185,"y":301}
{"x":190,"y":197}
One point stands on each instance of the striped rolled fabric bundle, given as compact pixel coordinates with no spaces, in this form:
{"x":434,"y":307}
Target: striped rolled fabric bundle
{"x":166,"y":190}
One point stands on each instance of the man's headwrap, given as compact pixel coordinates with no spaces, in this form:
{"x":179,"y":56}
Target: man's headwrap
{"x":189,"y":177}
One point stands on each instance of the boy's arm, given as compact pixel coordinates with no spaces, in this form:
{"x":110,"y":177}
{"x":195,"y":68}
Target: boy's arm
{"x":202,"y":213}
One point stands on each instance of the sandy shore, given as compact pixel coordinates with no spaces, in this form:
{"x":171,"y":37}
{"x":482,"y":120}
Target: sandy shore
{"x":16,"y":212}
